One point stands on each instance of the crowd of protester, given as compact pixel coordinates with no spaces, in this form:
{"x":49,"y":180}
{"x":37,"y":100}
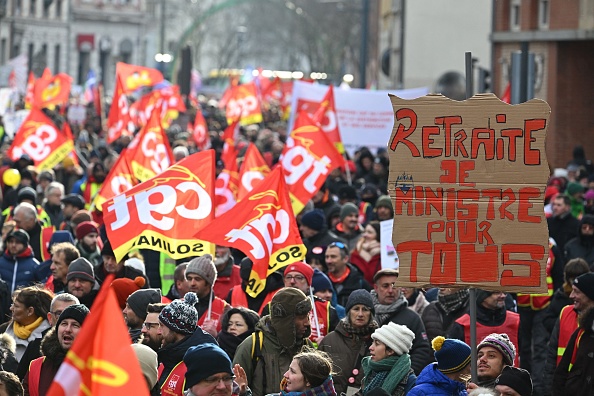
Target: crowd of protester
{"x":334,"y":324}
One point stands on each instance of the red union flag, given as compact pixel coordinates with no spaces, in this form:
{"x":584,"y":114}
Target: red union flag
{"x":263,"y":227}
{"x":253,"y":169}
{"x":307,"y":159}
{"x":119,"y":180}
{"x":200,"y":131}
{"x":39,"y":138}
{"x":227,"y":182}
{"x":327,"y":118}
{"x":243,"y":105}
{"x":101,"y":361}
{"x":30,"y":94}
{"x":167,"y":210}
{"x":52,"y":91}
{"x":150,"y":153}
{"x":119,"y":114}
{"x":134,"y":77}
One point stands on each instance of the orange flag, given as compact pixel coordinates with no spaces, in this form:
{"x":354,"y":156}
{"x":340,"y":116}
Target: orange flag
{"x":200,"y":131}
{"x":327,"y":118}
{"x":253,"y":169}
{"x":119,"y":180}
{"x":52,"y":91}
{"x":165,"y":211}
{"x":243,"y":105}
{"x":119,"y":114}
{"x":39,"y":138}
{"x":263,"y":227}
{"x":134,"y":77}
{"x":66,"y":131}
{"x":101,"y":361}
{"x":307,"y":159}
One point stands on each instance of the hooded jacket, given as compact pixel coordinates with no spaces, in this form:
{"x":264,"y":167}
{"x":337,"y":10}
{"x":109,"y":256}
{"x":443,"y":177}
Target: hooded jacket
{"x":20,"y":270}
{"x":274,"y":362}
{"x":432,"y":382}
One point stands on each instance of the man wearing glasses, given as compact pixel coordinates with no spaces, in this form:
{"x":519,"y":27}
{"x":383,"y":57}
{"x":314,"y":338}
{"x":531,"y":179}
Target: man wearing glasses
{"x":391,"y":306}
{"x":151,"y":328}
{"x":135,"y":310}
{"x":210,"y":372}
{"x":345,"y":277}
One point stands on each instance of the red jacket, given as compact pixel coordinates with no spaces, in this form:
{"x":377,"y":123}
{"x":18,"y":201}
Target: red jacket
{"x":367,"y":268}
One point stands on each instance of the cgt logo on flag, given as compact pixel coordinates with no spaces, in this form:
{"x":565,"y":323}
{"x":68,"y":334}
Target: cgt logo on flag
{"x":167,"y":208}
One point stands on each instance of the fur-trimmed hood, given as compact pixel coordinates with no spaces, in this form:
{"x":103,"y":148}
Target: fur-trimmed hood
{"x":7,"y":343}
{"x":51,"y":348}
{"x":587,"y":321}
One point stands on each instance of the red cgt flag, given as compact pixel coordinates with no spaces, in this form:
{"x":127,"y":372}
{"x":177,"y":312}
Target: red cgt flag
{"x":119,"y":180}
{"x":307,"y":159}
{"x":263,"y":227}
{"x":39,"y":138}
{"x":243,"y":105}
{"x":227,"y":182}
{"x":166,"y":211}
{"x":119,"y":114}
{"x":101,"y":361}
{"x":327,"y":118}
{"x":30,"y":94}
{"x":134,"y":77}
{"x":253,"y":169}
{"x":200,"y":132}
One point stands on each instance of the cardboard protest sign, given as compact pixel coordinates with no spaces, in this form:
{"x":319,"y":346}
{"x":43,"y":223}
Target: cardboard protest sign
{"x":467,"y":181}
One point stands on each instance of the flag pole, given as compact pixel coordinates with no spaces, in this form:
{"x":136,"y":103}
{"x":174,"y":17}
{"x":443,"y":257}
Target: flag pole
{"x":472,"y":290}
{"x":347,"y":169}
{"x":315,"y":311}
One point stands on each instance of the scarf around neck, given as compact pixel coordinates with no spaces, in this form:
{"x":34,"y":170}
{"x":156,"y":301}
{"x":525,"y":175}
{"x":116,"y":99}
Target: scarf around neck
{"x":326,"y":389}
{"x":366,"y":330}
{"x":385,"y":374}
{"x":452,"y":302}
{"x":24,"y":332}
{"x":385,"y":312}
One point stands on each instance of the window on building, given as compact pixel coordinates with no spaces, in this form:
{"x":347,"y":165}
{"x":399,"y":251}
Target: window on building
{"x":58,"y":9}
{"x":514,"y":17}
{"x":543,"y":13}
{"x":32,"y":8}
{"x":46,"y":7}
{"x":57,"y":58}
{"x":17,"y":6}
{"x":2,"y":51}
{"x":30,"y":54}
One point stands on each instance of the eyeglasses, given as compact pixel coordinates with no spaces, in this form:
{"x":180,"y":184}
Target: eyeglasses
{"x":56,"y":313}
{"x":214,"y":380}
{"x":297,"y":278}
{"x":150,"y":325}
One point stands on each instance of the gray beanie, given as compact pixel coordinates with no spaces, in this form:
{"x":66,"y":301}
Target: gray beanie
{"x":348,"y":209}
{"x":204,"y":267}
{"x":360,"y":296}
{"x":140,"y":299}
{"x":81,"y":268}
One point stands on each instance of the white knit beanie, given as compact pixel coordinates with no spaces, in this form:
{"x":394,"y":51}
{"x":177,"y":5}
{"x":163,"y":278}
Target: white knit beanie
{"x":397,"y":337}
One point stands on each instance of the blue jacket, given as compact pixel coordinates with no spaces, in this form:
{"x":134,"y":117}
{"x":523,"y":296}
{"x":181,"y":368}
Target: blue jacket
{"x":20,"y":270}
{"x":432,"y":382}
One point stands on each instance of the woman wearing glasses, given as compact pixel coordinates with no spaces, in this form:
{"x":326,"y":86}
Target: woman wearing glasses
{"x":348,"y":344}
{"x":366,"y":255}
{"x":238,"y":324}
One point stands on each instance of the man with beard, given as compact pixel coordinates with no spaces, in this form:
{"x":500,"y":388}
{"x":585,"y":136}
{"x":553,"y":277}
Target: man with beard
{"x":80,"y":281}
{"x":491,"y":317}
{"x":390,"y":305}
{"x":345,"y":277}
{"x":582,"y":246}
{"x":278,"y":337}
{"x":92,"y":185}
{"x":227,"y":272}
{"x":180,"y":332}
{"x":111,"y":266}
{"x":54,"y":347}
{"x":202,"y":275}
{"x":17,"y":264}
{"x":86,"y":236}
{"x":72,"y":204}
{"x":135,"y":310}
{"x":494,"y":352}
{"x":383,"y":208}
{"x":151,"y":328}
{"x":348,"y":228}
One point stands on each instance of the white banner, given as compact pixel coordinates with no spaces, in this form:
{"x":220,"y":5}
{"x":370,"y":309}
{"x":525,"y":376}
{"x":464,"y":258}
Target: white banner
{"x":388,"y":253}
{"x":365,"y":117}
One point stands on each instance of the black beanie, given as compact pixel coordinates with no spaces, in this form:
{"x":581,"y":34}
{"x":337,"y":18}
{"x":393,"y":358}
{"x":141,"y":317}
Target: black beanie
{"x":516,"y":378}
{"x":20,"y":235}
{"x":77,"y":312}
{"x":585,"y":283}
{"x":140,"y":299}
{"x":362,"y":297}
{"x":314,"y":219}
{"x":205,"y":360}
